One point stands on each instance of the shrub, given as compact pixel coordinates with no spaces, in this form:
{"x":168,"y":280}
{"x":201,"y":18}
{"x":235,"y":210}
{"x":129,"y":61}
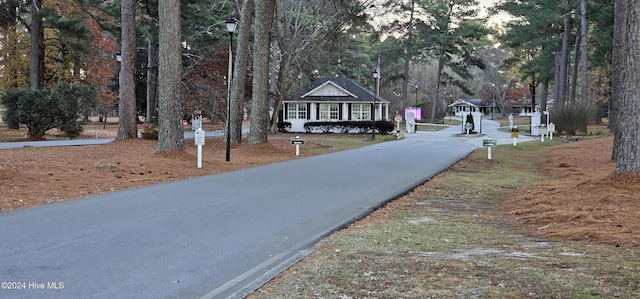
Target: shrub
{"x":284,"y":126}
{"x":150,"y":133}
{"x":382,"y":126}
{"x":72,"y":129}
{"x":572,"y":117}
{"x":42,"y":110}
{"x":470,"y":121}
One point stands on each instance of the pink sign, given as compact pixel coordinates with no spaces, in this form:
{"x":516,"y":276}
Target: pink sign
{"x":417,"y":112}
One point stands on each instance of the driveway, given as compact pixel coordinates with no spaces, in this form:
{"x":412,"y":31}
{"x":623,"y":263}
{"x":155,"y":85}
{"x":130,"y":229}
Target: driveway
{"x":218,"y":236}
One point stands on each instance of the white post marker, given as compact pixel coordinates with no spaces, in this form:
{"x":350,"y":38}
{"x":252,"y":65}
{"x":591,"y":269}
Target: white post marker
{"x":468,"y":126}
{"x":489,"y":143}
{"x":398,"y":119}
{"x":297,"y":142}
{"x":199,"y":140}
{"x":551,"y":128}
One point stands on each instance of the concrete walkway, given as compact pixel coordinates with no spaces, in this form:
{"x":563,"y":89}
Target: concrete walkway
{"x":78,"y":142}
{"x":454,"y":134}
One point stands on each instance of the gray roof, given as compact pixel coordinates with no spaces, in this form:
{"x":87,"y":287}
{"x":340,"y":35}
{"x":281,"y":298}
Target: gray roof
{"x":357,"y":92}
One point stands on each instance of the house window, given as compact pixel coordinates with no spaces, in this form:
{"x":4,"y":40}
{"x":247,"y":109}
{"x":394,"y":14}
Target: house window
{"x":329,"y":111}
{"x":361,"y":111}
{"x":297,"y":111}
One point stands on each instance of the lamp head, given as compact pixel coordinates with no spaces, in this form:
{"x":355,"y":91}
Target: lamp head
{"x":231,"y":25}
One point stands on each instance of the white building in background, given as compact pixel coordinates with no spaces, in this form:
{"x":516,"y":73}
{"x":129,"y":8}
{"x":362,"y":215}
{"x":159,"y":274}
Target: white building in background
{"x":332,"y":99}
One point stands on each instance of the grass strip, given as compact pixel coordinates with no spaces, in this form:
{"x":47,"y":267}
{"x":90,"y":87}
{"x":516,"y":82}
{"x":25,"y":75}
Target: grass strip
{"x":443,"y":241}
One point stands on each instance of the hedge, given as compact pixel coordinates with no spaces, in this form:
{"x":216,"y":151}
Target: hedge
{"x":382,"y":126}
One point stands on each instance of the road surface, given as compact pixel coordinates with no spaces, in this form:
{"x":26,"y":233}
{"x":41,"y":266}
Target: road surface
{"x":218,"y":236}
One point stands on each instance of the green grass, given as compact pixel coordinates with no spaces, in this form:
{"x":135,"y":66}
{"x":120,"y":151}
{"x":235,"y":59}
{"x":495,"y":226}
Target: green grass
{"x":441,"y":246}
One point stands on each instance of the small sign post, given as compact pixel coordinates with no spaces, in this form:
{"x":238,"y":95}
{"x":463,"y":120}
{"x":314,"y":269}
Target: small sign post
{"x":542,"y":130}
{"x":199,"y":140}
{"x":489,"y":143}
{"x":468,"y":126}
{"x":514,"y":135}
{"x":297,"y":142}
{"x":398,"y":119}
{"x":551,"y":129}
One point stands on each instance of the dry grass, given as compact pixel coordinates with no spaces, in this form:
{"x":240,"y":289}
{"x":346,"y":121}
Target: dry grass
{"x":503,"y":228}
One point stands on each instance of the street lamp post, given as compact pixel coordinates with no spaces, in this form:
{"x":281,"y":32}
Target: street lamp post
{"x":417,"y":86}
{"x":493,"y":98}
{"x":231,"y":27}
{"x":373,"y":110}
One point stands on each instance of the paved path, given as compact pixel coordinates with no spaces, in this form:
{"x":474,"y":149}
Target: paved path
{"x":78,"y":142}
{"x":218,"y":236}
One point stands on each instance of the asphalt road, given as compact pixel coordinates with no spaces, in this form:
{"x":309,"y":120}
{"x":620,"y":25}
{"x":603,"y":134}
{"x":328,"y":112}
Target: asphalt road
{"x":218,"y":236}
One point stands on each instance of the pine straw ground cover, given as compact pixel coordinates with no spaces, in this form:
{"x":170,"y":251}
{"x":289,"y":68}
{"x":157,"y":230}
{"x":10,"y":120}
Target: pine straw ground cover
{"x":32,"y":176}
{"x":540,"y":220}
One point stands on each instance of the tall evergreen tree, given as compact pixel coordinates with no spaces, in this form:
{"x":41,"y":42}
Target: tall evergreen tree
{"x":36,"y":55}
{"x":456,"y":34}
{"x":170,"y":135}
{"x":626,"y":86}
{"x":127,"y":124}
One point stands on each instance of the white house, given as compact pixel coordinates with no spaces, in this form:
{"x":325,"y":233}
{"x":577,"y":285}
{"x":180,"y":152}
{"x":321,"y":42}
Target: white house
{"x":464,"y":106}
{"x":332,"y":99}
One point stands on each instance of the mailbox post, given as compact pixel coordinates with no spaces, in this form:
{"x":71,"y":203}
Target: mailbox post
{"x":398,"y":119}
{"x":489,"y":143}
{"x":297,"y":142}
{"x":199,"y":140}
{"x":514,"y":135}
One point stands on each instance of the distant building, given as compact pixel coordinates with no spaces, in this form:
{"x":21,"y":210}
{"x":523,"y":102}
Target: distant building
{"x":464,"y":106}
{"x":332,"y":99}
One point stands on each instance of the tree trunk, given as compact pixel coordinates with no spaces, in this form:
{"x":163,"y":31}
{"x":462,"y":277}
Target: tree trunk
{"x":260,"y":101}
{"x":626,"y":86}
{"x":152,"y":73}
{"x":574,"y":72}
{"x":170,"y":134}
{"x":532,"y":89}
{"x":544,"y":91}
{"x":407,"y":58}
{"x":555,"y":92}
{"x":618,"y":70}
{"x":36,"y":54}
{"x":564,"y":56}
{"x":127,"y":124}
{"x":283,"y":81}
{"x":240,"y":72}
{"x":584,"y":96}
{"x":437,"y":85}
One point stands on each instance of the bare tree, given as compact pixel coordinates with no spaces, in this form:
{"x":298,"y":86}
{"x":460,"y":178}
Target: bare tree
{"x":127,"y":124}
{"x":170,"y":135}
{"x":298,"y":31}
